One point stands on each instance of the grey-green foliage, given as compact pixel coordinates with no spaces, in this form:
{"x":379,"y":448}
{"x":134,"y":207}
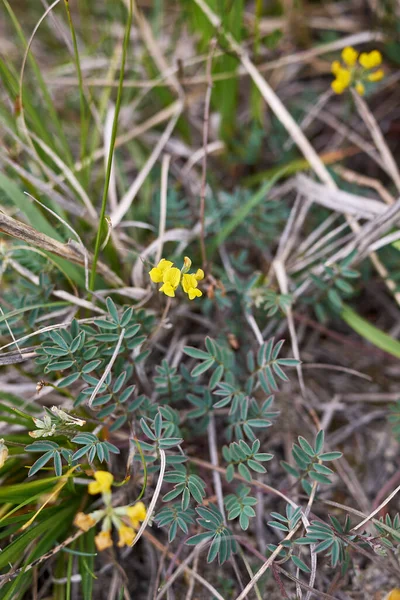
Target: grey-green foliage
{"x":285,"y":524}
{"x":309,"y":461}
{"x":241,"y":505}
{"x":332,"y":287}
{"x":332,"y":538}
{"x":174,"y":517}
{"x":220,"y":537}
{"x":240,"y":456}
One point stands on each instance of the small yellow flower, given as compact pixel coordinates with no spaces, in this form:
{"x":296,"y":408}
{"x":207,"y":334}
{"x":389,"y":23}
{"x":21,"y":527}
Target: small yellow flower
{"x":355,"y":73}
{"x":3,"y":453}
{"x":349,"y":56}
{"x":199,"y":274}
{"x":103,"y":540}
{"x":83,"y":521}
{"x":136,"y":514}
{"x":102,"y":484}
{"x":376,"y":76}
{"x":370,"y":60}
{"x":126,"y":536}
{"x":360,"y":88}
{"x":156,"y":274}
{"x":171,"y":279}
{"x":342,"y":81}
{"x":189,"y":284}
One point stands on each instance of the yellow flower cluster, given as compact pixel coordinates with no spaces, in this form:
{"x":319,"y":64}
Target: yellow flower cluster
{"x":357,"y":69}
{"x":171,"y":277}
{"x":126,"y":519}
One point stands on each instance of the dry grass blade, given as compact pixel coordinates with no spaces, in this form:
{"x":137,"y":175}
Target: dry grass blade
{"x":69,"y":251}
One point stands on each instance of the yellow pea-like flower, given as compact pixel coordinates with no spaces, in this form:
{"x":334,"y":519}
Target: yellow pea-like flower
{"x":370,"y":60}
{"x":376,"y":76}
{"x":190,"y":283}
{"x":103,"y":483}
{"x":157,"y":273}
{"x":103,"y":540}
{"x":355,"y":72}
{"x":171,"y":279}
{"x":83,"y":521}
{"x":136,"y":514}
{"x":349,"y":56}
{"x":126,"y":536}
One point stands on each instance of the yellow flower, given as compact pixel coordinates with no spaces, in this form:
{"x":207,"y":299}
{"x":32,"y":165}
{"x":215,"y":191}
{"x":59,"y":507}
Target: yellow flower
{"x":376,"y":76}
{"x":371,"y":59}
{"x":360,"y":88}
{"x":126,"y":536}
{"x":102,"y":484}
{"x":342,"y":81}
{"x":171,"y":279}
{"x":349,"y":56}
{"x":136,"y":513}
{"x":355,"y":73}
{"x":393,"y":594}
{"x":83,"y":521}
{"x":3,"y":453}
{"x":156,"y":274}
{"x":103,"y":540}
{"x":189,"y":284}
{"x":199,"y":274}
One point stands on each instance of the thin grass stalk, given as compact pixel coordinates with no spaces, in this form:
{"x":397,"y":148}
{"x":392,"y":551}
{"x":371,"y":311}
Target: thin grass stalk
{"x":112,"y":145}
{"x":82,"y":100}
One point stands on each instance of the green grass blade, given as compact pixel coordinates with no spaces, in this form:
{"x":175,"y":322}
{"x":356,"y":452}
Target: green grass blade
{"x":20,"y":311}
{"x":112,"y":145}
{"x":378,"y":338}
{"x":50,"y":110}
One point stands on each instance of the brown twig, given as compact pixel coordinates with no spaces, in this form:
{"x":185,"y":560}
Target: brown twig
{"x":69,"y":251}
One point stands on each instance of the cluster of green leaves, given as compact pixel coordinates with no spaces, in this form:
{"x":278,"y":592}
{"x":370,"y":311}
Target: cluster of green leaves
{"x":243,"y":457}
{"x":332,"y":287}
{"x":332,"y":538}
{"x":241,"y":505}
{"x":309,"y":461}
{"x":220,"y":537}
{"x":287,"y":523}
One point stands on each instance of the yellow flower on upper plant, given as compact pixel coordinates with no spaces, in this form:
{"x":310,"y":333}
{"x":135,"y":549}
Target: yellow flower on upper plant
{"x":370,"y":60}
{"x":376,"y":76}
{"x":354,"y":73}
{"x":156,"y":274}
{"x":126,"y":536}
{"x":171,"y":279}
{"x":83,"y":521}
{"x":103,"y":540}
{"x":349,"y":56}
{"x":102,"y":484}
{"x":136,"y":514}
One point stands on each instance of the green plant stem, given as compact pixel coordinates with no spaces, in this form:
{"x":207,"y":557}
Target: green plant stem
{"x":82,"y":100}
{"x":112,"y":145}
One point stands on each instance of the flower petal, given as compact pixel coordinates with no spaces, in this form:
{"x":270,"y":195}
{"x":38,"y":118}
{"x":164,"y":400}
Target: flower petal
{"x":349,"y":56}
